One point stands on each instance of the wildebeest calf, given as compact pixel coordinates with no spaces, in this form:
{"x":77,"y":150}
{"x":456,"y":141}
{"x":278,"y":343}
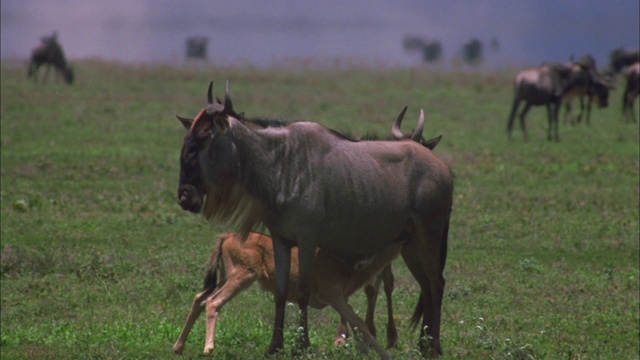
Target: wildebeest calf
{"x":240,"y":264}
{"x":631,"y":91}
{"x":50,"y":53}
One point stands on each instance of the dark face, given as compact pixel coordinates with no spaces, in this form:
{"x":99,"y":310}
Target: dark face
{"x":190,"y":188}
{"x":205,"y":145}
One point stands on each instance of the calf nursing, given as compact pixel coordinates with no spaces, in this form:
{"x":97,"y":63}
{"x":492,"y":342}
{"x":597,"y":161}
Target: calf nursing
{"x":240,"y":264}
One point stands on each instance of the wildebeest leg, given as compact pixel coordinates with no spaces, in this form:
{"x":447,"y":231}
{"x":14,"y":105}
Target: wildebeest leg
{"x":512,"y":116}
{"x":343,"y":308}
{"x":425,"y":266}
{"x":568,"y":115}
{"x":282,"y":260}
{"x":588,"y":116}
{"x":46,"y":73}
{"x":392,"y":330}
{"x":553,"y":109}
{"x":372,"y":290}
{"x":306,"y":256}
{"x":523,"y":126}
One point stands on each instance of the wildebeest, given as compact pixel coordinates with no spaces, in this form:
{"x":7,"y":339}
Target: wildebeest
{"x":621,"y":58}
{"x":241,"y":263}
{"x":592,"y":87}
{"x":546,"y":85}
{"x":49,"y":53}
{"x":472,"y":51}
{"x":631,"y":91}
{"x":313,"y":187}
{"x":431,"y":49}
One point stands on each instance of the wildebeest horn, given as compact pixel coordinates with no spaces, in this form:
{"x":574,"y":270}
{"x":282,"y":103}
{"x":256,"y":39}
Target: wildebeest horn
{"x":417,"y":133}
{"x":395,"y":129}
{"x":227,"y":99}
{"x":209,"y":94}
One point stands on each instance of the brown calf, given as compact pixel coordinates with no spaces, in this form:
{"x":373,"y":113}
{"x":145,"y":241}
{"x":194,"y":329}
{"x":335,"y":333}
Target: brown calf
{"x":240,"y":264}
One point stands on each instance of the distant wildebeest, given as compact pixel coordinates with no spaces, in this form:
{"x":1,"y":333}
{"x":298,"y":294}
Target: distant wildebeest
{"x":631,"y":91}
{"x":197,"y":47}
{"x":595,"y":86}
{"x":241,"y":263}
{"x":546,"y":85}
{"x":621,"y":58}
{"x":49,"y":53}
{"x":431,"y":50}
{"x":472,"y":51}
{"x":313,"y":187}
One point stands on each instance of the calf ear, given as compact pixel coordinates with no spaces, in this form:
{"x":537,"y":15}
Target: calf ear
{"x":186,"y":122}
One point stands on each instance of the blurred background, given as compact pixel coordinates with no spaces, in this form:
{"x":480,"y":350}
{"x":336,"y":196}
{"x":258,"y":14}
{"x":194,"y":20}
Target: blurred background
{"x":367,"y":32}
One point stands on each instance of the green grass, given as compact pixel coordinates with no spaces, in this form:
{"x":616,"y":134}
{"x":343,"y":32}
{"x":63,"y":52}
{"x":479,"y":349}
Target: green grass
{"x":99,"y":261}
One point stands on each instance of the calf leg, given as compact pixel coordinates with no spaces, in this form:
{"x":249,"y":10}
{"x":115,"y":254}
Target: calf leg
{"x":343,"y":332}
{"x":215,"y":300}
{"x":343,"y":308}
{"x":194,"y":313}
{"x":240,"y":281}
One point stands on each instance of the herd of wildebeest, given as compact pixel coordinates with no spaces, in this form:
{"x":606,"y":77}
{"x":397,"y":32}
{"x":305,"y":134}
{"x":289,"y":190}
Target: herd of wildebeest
{"x":338,"y":209}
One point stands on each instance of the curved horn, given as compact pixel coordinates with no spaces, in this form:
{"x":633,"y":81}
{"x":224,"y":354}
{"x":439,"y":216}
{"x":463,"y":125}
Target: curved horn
{"x":209,"y":94}
{"x":395,"y":129}
{"x":417,"y":133}
{"x":227,"y":99}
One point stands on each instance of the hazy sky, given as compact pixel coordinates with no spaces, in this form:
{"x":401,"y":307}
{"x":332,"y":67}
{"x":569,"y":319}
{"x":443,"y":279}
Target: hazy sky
{"x":265,"y":32}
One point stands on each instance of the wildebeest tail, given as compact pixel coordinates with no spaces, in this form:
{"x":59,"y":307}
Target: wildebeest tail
{"x":211,"y":277}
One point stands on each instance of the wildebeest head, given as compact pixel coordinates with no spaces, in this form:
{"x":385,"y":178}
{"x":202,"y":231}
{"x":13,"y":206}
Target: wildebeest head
{"x":416,"y":134}
{"x":206,"y":134}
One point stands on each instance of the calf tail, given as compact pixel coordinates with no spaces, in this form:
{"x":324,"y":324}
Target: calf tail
{"x":211,"y":277}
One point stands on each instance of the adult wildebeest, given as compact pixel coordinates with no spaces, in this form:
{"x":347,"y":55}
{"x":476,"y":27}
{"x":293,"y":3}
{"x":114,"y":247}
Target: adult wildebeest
{"x":621,"y":58}
{"x":50,"y":53}
{"x":593,"y":86}
{"x":546,"y":85}
{"x":431,"y":49}
{"x":631,"y":91}
{"x":472,"y":51}
{"x":241,"y":263}
{"x":313,"y":187}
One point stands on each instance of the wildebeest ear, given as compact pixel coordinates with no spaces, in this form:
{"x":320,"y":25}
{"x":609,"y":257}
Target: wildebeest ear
{"x":186,"y":122}
{"x":431,"y":143}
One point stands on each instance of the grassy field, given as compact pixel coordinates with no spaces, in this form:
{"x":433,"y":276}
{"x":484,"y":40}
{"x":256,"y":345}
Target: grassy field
{"x":98,"y":260}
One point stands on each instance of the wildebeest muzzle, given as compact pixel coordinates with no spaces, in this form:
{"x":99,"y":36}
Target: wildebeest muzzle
{"x":190,"y":198}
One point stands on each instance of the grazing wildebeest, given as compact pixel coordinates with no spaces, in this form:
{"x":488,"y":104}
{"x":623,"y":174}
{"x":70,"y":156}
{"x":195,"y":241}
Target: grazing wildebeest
{"x":472,"y":51}
{"x":431,"y":49}
{"x":631,"y":91}
{"x":546,"y":85}
{"x":593,"y":86}
{"x":242,"y":263}
{"x":50,"y":53}
{"x":313,"y":187}
{"x":621,"y":58}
